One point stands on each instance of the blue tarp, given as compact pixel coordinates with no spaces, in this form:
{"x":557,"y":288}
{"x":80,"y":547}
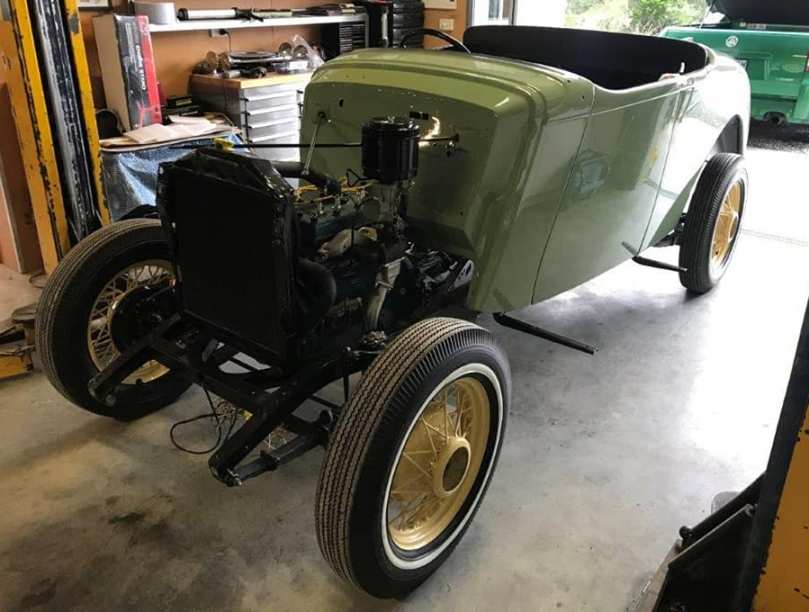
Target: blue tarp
{"x":130,"y":177}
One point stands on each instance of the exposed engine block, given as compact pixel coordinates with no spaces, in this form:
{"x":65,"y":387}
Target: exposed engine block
{"x":336,"y":263}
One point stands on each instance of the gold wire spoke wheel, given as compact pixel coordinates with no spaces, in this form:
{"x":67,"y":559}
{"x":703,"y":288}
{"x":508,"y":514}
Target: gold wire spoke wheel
{"x":727,"y":226}
{"x":410,"y":458}
{"x":100,"y":341}
{"x":439,"y":464}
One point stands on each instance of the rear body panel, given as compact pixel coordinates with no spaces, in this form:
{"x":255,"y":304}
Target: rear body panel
{"x":555,"y":180}
{"x":775,"y":58}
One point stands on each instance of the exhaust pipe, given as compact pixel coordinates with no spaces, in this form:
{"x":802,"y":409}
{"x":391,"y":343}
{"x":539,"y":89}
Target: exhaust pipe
{"x":776,"y":119}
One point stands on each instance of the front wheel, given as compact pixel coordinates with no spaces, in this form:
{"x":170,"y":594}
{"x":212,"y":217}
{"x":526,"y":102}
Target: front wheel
{"x":411,"y":456}
{"x":101,"y":298}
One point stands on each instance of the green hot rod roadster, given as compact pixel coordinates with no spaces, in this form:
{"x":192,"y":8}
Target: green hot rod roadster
{"x":493,"y":174}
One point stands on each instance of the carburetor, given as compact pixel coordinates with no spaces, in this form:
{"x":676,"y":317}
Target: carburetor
{"x":390,"y":155}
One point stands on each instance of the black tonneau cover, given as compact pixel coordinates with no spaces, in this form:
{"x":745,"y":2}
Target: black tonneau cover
{"x":786,"y":12}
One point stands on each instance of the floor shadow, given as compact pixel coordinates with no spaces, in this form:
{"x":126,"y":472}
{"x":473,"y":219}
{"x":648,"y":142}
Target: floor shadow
{"x":779,"y":138}
{"x":66,"y":443}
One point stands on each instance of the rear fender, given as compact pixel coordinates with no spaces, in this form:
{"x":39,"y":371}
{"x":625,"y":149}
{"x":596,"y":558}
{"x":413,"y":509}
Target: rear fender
{"x":732,"y":138}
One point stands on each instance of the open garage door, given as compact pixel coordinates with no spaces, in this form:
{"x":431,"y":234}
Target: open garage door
{"x":613,"y":15}
{"x":518,"y":12}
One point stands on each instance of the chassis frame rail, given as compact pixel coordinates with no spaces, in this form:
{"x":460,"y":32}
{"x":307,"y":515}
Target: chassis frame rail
{"x":269,"y":395}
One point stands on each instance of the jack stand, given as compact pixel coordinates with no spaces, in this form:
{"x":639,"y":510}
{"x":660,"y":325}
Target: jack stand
{"x":526,"y":328}
{"x":651,"y":263}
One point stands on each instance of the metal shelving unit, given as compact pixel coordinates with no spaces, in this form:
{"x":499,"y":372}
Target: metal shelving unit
{"x":238,"y":24}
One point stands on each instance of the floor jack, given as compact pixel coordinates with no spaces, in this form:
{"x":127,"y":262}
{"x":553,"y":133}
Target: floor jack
{"x":17,"y":343}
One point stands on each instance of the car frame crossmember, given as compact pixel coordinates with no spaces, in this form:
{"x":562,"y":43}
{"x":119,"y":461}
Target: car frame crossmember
{"x":268,"y":394}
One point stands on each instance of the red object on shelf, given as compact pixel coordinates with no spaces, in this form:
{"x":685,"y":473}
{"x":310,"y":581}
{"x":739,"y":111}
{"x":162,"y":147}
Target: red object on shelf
{"x":128,"y":69}
{"x":153,"y":104}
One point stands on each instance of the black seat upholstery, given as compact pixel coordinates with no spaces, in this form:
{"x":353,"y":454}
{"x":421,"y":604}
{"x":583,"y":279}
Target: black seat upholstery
{"x":614,"y":61}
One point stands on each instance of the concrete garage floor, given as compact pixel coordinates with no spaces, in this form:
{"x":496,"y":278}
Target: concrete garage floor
{"x":605,"y":458}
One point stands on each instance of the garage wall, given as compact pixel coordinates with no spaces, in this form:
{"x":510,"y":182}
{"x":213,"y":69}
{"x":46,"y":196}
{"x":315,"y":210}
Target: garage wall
{"x":432,"y":18}
{"x":176,"y":53}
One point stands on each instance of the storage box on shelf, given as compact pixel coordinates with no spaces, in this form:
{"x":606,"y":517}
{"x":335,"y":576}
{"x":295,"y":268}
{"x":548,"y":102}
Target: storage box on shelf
{"x":237,"y":24}
{"x":267,"y":110}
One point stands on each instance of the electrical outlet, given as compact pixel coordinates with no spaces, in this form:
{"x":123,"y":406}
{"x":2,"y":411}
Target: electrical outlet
{"x":446,"y":25}
{"x":449,"y":5}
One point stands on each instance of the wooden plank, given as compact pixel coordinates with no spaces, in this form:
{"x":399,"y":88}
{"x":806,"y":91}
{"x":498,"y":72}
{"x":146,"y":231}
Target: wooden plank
{"x":19,"y":62}
{"x":216,"y":83}
{"x":19,"y":243}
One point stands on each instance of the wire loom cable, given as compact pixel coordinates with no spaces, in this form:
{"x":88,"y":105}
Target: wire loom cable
{"x":220,"y":420}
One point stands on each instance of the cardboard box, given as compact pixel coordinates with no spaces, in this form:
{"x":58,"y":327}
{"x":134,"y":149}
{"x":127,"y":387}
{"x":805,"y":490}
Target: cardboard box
{"x":128,"y":69}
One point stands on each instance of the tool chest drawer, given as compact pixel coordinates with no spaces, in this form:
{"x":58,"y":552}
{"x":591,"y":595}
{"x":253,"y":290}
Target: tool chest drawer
{"x":266,"y":110}
{"x":290,"y":129}
{"x":239,"y":97}
{"x":281,"y":154}
{"x":254,"y":118}
{"x":271,"y":97}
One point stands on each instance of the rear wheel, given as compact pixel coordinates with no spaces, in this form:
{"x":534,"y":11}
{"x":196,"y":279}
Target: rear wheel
{"x":713,"y":223}
{"x":411,"y":456}
{"x":100,"y":299}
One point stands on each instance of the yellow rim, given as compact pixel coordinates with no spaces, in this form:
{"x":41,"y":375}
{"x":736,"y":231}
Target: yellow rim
{"x":439,"y":464}
{"x":100,"y":342}
{"x":727,"y":226}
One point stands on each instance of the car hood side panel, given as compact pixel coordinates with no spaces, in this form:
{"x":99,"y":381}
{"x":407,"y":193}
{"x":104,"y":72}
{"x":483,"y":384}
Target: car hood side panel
{"x":484,"y":201}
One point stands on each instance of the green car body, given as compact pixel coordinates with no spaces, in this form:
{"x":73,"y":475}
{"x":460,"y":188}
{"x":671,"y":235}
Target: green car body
{"x":555,"y":179}
{"x":771,"y":41}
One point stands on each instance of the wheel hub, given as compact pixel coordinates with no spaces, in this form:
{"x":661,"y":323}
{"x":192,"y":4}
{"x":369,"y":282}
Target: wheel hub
{"x":727,"y":227}
{"x":130,"y":321}
{"x":117,"y":317}
{"x":439,"y":464}
{"x":451,"y":467}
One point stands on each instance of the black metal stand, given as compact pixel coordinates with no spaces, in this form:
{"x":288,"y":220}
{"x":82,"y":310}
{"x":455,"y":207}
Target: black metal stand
{"x":659,"y":265}
{"x":177,"y":345}
{"x":521,"y":326}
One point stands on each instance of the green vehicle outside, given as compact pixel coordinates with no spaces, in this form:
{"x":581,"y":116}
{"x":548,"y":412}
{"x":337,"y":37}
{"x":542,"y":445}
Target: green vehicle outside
{"x":771,"y":41}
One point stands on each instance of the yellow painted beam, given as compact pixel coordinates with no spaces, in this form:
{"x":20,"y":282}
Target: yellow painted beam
{"x":86,"y":100}
{"x":30,"y":113}
{"x":784,"y":584}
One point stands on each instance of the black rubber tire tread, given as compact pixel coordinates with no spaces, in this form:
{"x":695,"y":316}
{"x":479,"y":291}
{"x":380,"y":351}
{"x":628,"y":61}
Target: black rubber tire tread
{"x":695,"y":250}
{"x":359,"y":422}
{"x":65,"y":294}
